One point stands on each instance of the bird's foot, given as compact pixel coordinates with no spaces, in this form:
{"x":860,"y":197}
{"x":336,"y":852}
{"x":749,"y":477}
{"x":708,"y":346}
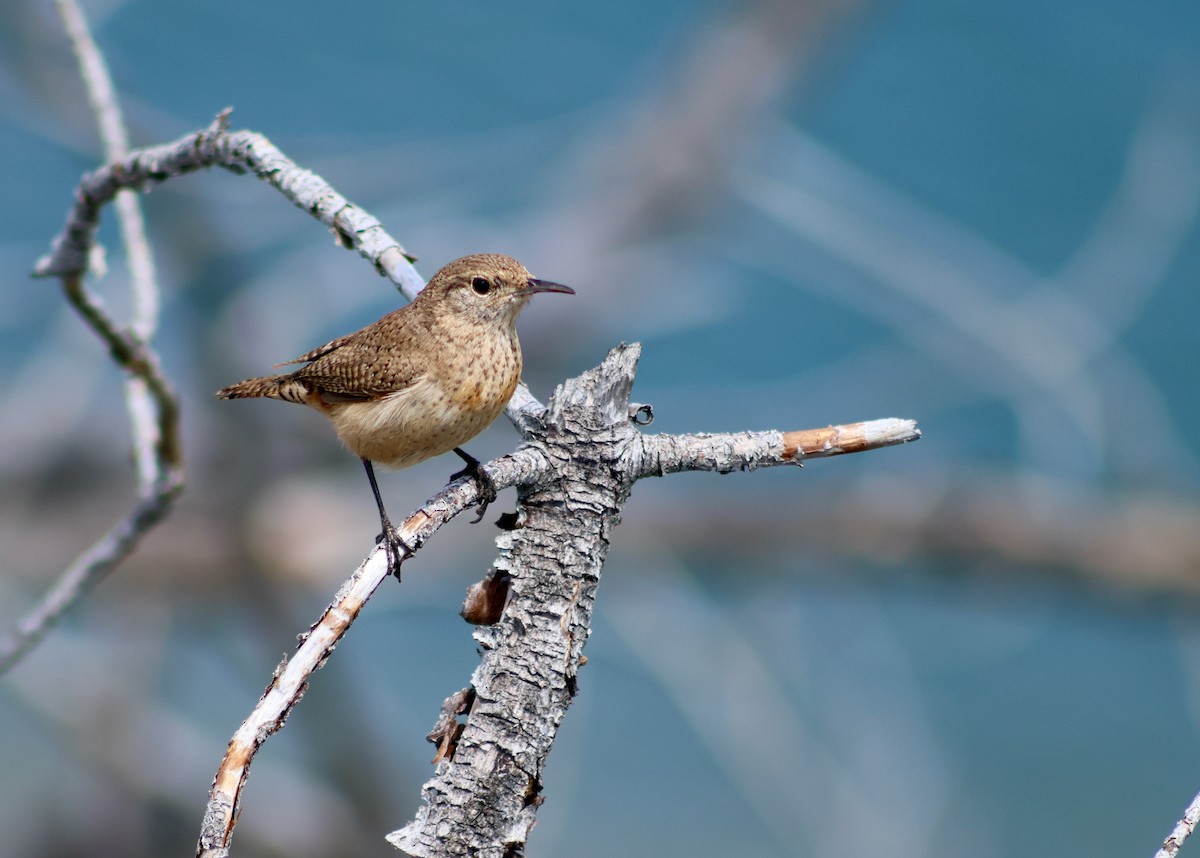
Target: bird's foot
{"x":389,"y":536}
{"x":487,"y":486}
{"x":393,"y":544}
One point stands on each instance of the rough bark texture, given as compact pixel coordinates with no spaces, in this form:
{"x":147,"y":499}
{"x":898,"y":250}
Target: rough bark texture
{"x":482,"y":800}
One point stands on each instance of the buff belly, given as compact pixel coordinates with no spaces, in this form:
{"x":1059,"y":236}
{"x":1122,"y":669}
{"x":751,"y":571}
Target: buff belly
{"x":412,"y":425}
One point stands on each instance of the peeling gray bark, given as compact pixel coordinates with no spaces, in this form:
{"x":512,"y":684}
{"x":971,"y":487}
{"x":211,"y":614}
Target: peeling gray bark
{"x":483,"y":800}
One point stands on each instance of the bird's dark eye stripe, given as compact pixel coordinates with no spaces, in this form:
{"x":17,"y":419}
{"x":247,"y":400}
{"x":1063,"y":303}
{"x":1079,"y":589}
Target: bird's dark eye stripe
{"x":481,"y":285}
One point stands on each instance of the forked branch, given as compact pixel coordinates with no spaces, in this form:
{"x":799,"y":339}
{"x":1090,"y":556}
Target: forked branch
{"x":485,"y":792}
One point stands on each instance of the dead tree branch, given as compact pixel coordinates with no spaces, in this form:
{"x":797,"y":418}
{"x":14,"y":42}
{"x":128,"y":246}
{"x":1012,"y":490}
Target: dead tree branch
{"x":573,"y":474}
{"x":484,"y":795}
{"x":574,"y":471}
{"x":745,"y":451}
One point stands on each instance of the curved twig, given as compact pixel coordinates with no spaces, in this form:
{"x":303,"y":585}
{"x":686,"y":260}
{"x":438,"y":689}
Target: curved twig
{"x":242,"y":152}
{"x":143,"y":281}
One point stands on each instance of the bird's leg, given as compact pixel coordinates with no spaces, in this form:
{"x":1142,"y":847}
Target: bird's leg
{"x":487,"y":486}
{"x":389,"y":536}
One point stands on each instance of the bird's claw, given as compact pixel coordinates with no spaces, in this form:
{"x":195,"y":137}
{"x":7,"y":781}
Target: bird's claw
{"x":392,"y":544}
{"x":487,"y":494}
{"x":486,"y":485}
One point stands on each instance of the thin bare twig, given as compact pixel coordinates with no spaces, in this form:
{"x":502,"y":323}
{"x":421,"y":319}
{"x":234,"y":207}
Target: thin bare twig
{"x":139,"y":257}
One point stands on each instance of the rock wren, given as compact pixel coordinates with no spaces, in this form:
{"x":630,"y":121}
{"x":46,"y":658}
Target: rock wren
{"x":424,"y":379}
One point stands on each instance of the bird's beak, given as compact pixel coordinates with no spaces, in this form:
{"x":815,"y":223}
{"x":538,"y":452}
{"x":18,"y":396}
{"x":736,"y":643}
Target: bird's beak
{"x":534,"y":285}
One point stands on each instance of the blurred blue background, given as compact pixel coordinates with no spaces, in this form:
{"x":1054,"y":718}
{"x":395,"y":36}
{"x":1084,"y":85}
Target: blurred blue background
{"x":982,"y":216}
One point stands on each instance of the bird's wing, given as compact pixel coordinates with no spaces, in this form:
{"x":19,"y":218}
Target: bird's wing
{"x":359,"y":371}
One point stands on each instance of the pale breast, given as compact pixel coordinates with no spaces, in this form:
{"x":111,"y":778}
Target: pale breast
{"x":436,"y":413}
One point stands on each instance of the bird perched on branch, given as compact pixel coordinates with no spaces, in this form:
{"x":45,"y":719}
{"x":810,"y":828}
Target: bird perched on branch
{"x":421,"y":381}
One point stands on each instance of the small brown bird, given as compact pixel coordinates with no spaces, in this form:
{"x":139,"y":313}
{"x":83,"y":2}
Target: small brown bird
{"x":424,"y":379}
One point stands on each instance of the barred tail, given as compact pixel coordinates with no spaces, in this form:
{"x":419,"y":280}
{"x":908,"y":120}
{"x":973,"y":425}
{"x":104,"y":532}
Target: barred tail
{"x":286,"y":387}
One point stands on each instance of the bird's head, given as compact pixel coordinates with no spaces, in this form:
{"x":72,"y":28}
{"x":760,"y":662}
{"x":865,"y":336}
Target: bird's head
{"x":487,"y":286}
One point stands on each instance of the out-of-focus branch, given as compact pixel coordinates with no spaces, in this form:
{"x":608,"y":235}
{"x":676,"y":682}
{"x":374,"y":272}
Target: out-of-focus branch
{"x":672,"y":157}
{"x":78,"y":579}
{"x":143,"y":282}
{"x":1131,"y":544}
{"x":1038,"y":343}
{"x":153,"y":409}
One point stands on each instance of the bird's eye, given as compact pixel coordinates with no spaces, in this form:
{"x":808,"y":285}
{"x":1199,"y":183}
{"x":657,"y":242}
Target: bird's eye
{"x":481,"y":285}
